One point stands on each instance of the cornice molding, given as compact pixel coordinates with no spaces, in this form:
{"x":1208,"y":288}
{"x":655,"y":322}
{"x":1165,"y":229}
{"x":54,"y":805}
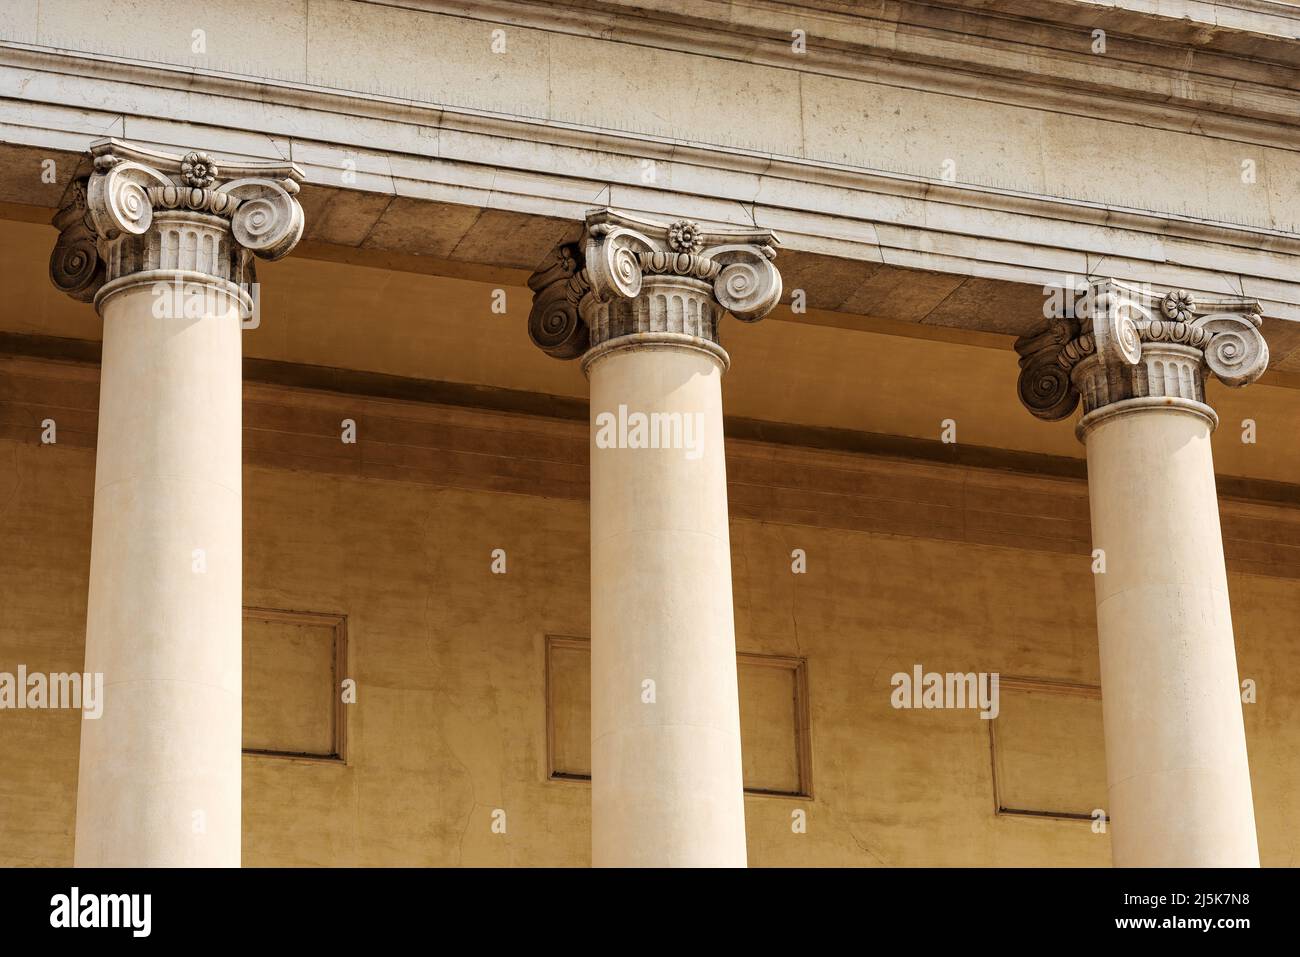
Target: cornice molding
{"x":958,"y":48}
{"x":734,"y":159}
{"x":1016,"y":54}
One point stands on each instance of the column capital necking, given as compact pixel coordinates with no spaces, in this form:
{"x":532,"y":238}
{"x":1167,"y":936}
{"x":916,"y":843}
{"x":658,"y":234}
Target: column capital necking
{"x":618,"y":276}
{"x":1118,"y":342}
{"x":145,"y":215}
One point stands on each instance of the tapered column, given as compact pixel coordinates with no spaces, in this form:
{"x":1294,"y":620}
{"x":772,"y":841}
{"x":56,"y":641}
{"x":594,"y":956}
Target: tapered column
{"x":165,"y":252}
{"x":641,"y":304}
{"x":1179,"y":783}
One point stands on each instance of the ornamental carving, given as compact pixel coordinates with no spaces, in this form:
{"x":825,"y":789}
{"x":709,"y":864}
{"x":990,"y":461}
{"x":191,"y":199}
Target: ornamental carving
{"x":684,"y":236}
{"x":620,"y":276}
{"x":141,"y":210}
{"x":198,"y":170}
{"x":1123,"y":342}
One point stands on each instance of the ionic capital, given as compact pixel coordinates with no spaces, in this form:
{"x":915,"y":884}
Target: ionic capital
{"x":1126,"y":344}
{"x":621,"y":280}
{"x":142,"y":215}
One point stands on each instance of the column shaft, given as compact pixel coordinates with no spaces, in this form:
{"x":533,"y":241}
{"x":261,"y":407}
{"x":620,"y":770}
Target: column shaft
{"x":1179,"y":784}
{"x":159,"y":781}
{"x":666,"y":774}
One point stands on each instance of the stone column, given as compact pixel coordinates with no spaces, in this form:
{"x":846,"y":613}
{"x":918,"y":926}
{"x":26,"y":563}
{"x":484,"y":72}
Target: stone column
{"x":1179,"y":784}
{"x":163,"y":246}
{"x":641,"y":304}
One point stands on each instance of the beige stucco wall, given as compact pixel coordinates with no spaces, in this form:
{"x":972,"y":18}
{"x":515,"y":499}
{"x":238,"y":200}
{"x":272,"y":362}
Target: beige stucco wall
{"x":449,"y":722}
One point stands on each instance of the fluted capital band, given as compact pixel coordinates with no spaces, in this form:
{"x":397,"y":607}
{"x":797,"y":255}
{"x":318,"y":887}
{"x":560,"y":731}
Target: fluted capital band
{"x":1121,"y":343}
{"x":623,"y":278}
{"x":142,"y":211}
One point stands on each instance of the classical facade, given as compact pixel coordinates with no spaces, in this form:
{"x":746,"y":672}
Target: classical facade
{"x":314,"y":554}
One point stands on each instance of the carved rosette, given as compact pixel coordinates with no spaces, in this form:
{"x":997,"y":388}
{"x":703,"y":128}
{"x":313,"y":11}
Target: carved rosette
{"x":1125,"y":343}
{"x":622,"y":277}
{"x":140,"y":214}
